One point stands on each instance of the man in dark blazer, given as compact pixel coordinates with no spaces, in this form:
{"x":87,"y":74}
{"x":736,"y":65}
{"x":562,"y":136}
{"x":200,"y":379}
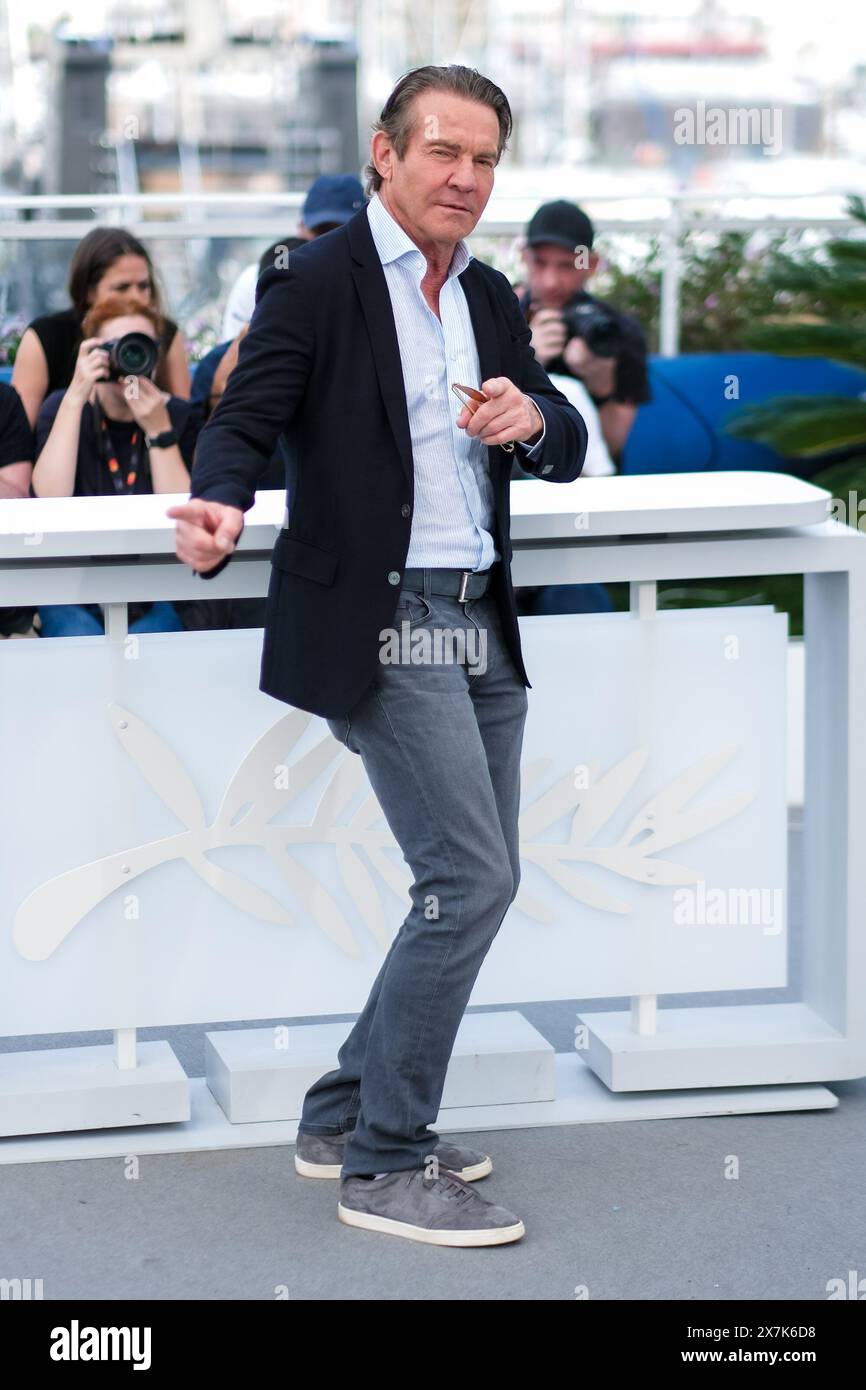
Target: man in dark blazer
{"x":399,"y":526}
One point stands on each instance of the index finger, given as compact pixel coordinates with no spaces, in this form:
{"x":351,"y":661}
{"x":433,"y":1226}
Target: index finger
{"x":186,"y":511}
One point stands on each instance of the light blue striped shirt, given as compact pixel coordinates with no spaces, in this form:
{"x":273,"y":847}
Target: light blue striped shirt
{"x":454,"y":514}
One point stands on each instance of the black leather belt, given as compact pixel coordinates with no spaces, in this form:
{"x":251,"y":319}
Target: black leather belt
{"x":459,"y":584}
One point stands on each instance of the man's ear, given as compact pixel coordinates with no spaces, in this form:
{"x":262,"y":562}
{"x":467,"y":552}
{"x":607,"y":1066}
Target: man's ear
{"x":381,"y":153}
{"x":593,"y":262}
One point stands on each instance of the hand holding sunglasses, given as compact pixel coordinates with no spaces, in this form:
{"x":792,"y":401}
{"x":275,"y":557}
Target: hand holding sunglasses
{"x":473,"y":400}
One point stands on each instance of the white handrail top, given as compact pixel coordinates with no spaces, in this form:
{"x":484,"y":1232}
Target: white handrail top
{"x":41,"y":528}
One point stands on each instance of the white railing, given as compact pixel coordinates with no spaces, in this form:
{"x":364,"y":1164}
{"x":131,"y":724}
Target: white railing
{"x":670,"y":217}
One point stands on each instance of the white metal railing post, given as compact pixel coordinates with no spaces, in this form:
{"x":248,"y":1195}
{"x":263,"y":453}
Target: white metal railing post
{"x":643,"y":607}
{"x":669,"y":299}
{"x":125,"y":1039}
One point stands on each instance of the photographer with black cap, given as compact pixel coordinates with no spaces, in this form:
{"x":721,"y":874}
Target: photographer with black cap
{"x":574,"y":333}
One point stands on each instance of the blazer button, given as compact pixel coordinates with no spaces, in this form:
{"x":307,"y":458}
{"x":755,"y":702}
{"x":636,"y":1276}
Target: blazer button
{"x":394,"y":577}
{"x":405,"y":509}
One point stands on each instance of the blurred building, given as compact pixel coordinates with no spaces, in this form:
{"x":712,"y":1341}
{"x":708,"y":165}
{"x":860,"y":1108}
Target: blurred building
{"x":643,"y":77}
{"x":7,"y":126}
{"x":207,"y":94}
{"x":78,"y":78}
{"x":265,"y":94}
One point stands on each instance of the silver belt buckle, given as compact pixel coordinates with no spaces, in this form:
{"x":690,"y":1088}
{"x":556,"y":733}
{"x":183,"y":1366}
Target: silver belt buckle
{"x":464,"y":585}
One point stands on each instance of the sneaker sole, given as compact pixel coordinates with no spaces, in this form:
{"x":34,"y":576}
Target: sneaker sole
{"x":386,"y":1225}
{"x":333,"y":1170}
{"x":317,"y":1170}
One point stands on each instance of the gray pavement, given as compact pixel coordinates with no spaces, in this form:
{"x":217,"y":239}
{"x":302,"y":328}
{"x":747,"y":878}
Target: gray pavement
{"x":631,"y":1210}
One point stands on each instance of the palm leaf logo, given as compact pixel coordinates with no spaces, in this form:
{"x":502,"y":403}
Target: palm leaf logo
{"x":266,"y":782}
{"x":659,"y":824}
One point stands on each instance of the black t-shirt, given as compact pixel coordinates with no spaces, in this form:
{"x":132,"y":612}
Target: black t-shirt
{"x":91,"y":475}
{"x":92,"y":478}
{"x":632,"y":381}
{"x":16,"y":436}
{"x":61,"y":336}
{"x":16,"y":446}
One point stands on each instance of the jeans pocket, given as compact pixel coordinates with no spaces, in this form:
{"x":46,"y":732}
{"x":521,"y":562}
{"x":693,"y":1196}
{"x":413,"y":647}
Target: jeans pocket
{"x":340,"y":728}
{"x":412,"y":608}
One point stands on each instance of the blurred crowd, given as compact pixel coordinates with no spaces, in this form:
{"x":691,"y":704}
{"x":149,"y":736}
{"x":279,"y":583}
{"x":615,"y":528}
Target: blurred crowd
{"x":103,"y":399}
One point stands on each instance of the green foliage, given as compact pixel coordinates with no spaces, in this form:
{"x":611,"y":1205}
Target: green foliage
{"x":820,"y":300}
{"x":836,"y":341}
{"x":783,"y":591}
{"x":723,"y":289}
{"x":803,"y":426}
{"x":779,"y":295}
{"x":846,"y":483}
{"x":816,"y":308}
{"x":824,"y":300}
{"x":635,"y":291}
{"x":10,"y":339}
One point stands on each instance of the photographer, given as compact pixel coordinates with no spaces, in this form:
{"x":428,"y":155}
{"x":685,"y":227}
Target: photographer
{"x":16,"y":466}
{"x":114,"y":432}
{"x":16,"y":444}
{"x":108,"y":261}
{"x":575,"y":334}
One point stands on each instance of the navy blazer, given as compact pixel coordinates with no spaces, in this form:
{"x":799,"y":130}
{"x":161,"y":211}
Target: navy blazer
{"x":321,"y":362}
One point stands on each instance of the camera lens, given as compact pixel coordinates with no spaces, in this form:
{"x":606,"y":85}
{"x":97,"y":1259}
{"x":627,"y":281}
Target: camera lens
{"x":135,"y":355}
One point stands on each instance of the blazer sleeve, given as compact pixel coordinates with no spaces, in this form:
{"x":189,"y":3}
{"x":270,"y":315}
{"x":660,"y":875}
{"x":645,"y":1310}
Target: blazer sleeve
{"x":562,"y":448}
{"x":237,"y":443}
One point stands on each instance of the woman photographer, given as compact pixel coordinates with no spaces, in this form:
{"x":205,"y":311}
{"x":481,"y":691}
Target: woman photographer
{"x":107,"y":262}
{"x":115,"y":433}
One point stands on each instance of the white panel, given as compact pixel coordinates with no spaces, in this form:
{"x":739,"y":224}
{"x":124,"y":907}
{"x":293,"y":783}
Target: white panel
{"x":131,"y":899}
{"x":680,"y":719}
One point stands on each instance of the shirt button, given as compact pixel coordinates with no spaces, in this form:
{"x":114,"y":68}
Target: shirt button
{"x":405,"y":509}
{"x":394,"y":577}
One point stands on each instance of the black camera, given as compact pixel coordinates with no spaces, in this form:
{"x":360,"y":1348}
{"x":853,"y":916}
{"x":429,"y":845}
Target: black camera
{"x":598,"y":328}
{"x":133,"y":354}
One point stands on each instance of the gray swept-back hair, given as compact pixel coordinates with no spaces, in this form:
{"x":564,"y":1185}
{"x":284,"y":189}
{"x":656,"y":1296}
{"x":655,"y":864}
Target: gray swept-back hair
{"x":396,"y":117}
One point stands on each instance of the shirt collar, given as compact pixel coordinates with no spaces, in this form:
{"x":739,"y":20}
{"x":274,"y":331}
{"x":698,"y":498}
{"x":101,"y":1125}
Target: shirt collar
{"x":392,"y":242}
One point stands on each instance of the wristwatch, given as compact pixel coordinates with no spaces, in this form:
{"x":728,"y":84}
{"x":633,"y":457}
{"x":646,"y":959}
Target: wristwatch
{"x":161,"y":441}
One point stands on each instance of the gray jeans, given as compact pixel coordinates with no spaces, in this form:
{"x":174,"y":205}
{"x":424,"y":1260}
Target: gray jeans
{"x":440,"y":742}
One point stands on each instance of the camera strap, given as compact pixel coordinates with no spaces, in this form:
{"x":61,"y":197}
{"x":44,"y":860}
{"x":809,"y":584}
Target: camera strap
{"x":122,"y":481}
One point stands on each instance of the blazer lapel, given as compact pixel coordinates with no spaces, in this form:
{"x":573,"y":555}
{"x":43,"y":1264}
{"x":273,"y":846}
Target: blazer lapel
{"x":481,"y":313}
{"x":375,"y":300}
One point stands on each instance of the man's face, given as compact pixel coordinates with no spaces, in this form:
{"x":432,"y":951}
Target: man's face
{"x":439,"y":190}
{"x":554,"y":274}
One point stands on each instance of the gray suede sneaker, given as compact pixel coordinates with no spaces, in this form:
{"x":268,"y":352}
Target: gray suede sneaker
{"x":441,"y":1210}
{"x":321,"y":1156}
